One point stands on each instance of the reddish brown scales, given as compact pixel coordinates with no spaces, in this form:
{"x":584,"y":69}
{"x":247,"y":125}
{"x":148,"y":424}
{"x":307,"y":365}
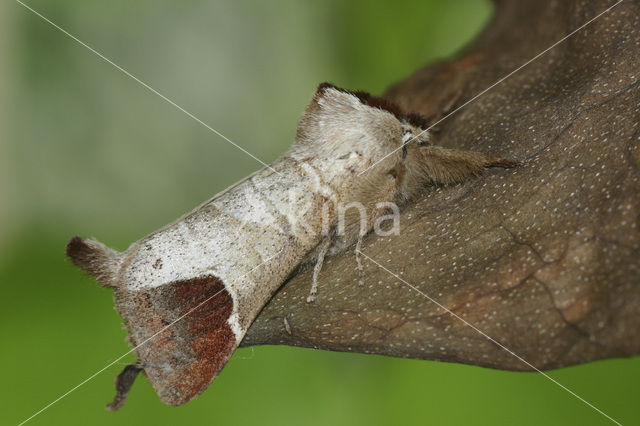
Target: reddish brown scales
{"x":184,"y":357}
{"x":213,"y":340}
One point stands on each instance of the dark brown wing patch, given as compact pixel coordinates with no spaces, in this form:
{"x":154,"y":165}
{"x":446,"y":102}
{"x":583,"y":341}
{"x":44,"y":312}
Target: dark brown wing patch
{"x":194,"y":340}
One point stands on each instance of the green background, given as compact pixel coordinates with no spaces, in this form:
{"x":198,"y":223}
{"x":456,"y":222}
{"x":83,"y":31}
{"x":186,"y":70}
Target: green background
{"x":86,"y":150}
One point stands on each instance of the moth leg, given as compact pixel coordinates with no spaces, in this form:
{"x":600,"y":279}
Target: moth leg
{"x":448,"y":166}
{"x":322,"y":252}
{"x":287,"y":327}
{"x":359,"y":260}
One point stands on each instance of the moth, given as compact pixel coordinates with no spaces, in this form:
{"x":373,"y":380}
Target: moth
{"x":189,"y":292}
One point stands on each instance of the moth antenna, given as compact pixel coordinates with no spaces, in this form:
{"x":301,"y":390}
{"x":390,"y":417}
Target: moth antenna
{"x":98,"y":260}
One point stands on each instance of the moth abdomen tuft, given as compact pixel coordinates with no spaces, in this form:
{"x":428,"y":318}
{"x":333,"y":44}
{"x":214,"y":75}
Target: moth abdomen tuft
{"x":98,"y":260}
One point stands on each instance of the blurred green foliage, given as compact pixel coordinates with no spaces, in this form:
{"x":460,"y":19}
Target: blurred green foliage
{"x":86,"y":150}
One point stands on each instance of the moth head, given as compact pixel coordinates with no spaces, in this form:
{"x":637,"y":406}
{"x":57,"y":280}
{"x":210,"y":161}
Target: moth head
{"x":357,"y":132}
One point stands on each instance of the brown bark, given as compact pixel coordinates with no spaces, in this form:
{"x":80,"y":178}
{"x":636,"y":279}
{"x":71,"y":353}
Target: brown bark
{"x":544,"y":258}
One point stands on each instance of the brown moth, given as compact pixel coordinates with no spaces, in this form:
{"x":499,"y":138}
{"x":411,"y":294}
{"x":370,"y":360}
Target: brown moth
{"x":189,"y":291}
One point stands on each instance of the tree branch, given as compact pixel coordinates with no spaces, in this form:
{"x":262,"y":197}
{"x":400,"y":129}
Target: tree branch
{"x":545,"y":258}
